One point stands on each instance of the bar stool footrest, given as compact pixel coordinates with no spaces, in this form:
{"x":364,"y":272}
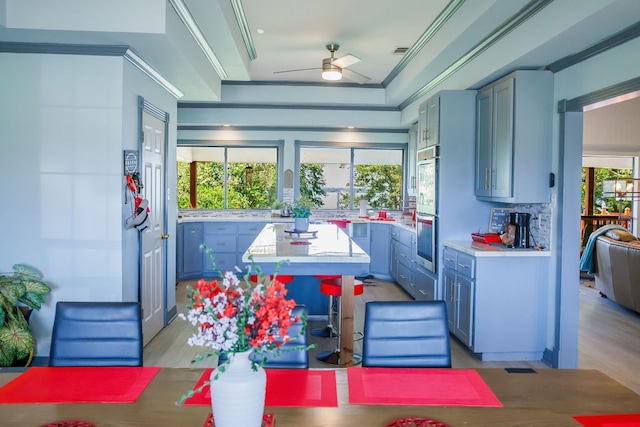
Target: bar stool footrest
{"x":324,"y":332}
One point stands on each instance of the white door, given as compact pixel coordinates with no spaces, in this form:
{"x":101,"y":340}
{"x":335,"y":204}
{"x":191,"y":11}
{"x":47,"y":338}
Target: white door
{"x":152,"y":277}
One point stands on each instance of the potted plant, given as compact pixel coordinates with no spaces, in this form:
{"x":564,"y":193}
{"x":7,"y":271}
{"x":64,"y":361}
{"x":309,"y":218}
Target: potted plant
{"x":276,"y":206}
{"x":21,"y":291}
{"x":301,"y":212}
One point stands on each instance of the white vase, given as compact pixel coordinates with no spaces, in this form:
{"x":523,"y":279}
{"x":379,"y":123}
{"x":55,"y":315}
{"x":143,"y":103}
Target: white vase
{"x":301,"y":224}
{"x":238,"y":394}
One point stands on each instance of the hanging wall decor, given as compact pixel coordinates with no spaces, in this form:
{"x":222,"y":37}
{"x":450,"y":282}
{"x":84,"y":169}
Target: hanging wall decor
{"x":139,"y":218}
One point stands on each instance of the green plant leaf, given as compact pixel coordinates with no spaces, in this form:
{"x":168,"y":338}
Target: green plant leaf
{"x":35,"y":293}
{"x":22,"y":269}
{"x":7,"y":354}
{"x":12,"y":291}
{"x":17,"y":337}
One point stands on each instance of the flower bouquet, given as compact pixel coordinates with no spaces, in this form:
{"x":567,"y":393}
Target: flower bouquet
{"x":237,"y":316}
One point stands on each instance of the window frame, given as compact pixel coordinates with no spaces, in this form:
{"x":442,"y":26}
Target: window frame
{"x":277,"y":144}
{"x":404,"y":146}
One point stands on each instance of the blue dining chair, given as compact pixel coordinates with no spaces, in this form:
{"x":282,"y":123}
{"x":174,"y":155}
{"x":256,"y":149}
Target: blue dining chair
{"x":406,"y":334}
{"x":292,"y":355}
{"x":96,"y":334}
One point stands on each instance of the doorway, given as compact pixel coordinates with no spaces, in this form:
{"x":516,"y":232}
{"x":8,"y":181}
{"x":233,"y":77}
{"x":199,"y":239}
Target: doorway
{"x":153,"y":240}
{"x":567,"y":221}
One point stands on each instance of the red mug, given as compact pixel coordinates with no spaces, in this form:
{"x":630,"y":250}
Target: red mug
{"x":382,"y":214}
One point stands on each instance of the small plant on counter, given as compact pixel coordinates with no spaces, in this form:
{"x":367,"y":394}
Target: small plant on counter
{"x":302,"y":208}
{"x":20,"y":292}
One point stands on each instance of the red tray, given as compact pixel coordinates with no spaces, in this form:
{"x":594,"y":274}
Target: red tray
{"x":486,"y":237}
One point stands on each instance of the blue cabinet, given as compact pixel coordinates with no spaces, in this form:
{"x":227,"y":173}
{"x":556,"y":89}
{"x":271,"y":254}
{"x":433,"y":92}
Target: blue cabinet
{"x":380,"y":251}
{"x":402,"y":261}
{"x":220,"y":238}
{"x":191,"y":254}
{"x":514,"y":135}
{"x":423,"y":284}
{"x":497,"y":304}
{"x":459,"y":288}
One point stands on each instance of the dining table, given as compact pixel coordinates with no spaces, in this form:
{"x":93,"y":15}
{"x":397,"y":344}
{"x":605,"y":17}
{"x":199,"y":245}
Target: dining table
{"x":323,"y":249}
{"x":541,"y":397}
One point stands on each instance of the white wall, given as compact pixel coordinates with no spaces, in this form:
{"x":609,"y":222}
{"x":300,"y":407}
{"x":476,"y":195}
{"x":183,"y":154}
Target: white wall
{"x":64,"y":122}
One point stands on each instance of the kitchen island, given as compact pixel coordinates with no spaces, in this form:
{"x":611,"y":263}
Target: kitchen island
{"x":325,"y":249}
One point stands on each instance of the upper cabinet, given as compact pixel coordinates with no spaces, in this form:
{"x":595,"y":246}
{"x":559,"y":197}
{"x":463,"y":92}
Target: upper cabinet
{"x":428,"y":120}
{"x":513,"y":138}
{"x":422,"y":126}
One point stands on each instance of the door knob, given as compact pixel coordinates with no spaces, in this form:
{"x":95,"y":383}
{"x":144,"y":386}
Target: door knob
{"x":164,"y":236}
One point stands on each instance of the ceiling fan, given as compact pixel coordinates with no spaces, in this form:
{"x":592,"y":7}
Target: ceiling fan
{"x":335,"y":68}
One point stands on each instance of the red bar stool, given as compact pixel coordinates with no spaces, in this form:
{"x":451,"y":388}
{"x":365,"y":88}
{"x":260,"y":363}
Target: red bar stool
{"x":333,"y":288}
{"x":329,"y":330}
{"x":282,"y":278}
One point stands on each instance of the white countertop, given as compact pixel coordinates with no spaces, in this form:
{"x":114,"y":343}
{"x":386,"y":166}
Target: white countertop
{"x":330,"y":245}
{"x":484,"y":250}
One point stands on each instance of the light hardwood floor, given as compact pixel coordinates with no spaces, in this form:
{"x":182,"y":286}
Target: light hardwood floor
{"x":609,"y":338}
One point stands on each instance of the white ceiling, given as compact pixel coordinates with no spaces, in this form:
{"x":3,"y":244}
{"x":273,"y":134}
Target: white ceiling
{"x":296,"y":32}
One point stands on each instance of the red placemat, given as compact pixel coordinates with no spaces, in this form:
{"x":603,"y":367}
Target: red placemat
{"x":78,"y":385}
{"x":268,"y":420}
{"x":286,"y":387}
{"x":419,"y":386}
{"x":609,"y":420}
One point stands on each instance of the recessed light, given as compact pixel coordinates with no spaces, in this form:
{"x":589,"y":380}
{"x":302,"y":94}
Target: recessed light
{"x":259,"y":31}
{"x":226,"y":125}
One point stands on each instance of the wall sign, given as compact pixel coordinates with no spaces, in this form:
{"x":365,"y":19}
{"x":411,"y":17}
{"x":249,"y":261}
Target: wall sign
{"x":130,"y":161}
{"x":499,"y":219}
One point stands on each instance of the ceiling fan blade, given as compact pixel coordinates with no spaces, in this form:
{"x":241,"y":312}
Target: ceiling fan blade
{"x":345,"y":61}
{"x":354,"y":77}
{"x":300,"y":69}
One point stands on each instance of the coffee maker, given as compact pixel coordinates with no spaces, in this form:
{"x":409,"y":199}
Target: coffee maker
{"x":520,"y":222}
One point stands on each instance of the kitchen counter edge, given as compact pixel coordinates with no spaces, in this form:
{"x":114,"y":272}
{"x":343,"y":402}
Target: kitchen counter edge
{"x":483,"y":250}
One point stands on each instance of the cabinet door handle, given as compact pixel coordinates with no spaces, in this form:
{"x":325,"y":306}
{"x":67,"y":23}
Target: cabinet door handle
{"x":487,"y":178}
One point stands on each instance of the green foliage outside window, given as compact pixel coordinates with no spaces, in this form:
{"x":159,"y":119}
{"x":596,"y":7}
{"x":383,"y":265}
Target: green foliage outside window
{"x":246,"y":190}
{"x":600,"y":174}
{"x":312,"y":183}
{"x":381,"y":184}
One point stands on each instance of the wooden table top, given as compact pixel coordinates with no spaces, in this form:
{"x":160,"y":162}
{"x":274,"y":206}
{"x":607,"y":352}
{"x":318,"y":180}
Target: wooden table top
{"x":550,"y":397}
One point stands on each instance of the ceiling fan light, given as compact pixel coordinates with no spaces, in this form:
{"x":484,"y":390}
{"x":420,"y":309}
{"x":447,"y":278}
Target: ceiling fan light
{"x":331,"y":75}
{"x":330,"y":71}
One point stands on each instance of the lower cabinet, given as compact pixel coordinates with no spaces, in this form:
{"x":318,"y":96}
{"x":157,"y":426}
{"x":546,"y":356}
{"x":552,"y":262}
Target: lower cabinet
{"x":459,"y":290}
{"x":191,"y":254}
{"x":227,"y":242}
{"x":497,"y":304}
{"x":380,"y":250}
{"x":402,"y":263}
{"x":423,"y":284}
{"x":220,"y":239}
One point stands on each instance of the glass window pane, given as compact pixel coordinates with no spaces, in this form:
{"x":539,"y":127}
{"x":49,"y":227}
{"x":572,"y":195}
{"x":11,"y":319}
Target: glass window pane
{"x":378,"y":177}
{"x":252,"y":177}
{"x":325,"y":175}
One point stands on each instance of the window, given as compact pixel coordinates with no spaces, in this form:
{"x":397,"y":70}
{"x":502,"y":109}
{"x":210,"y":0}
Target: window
{"x":337,"y":178}
{"x":227,"y":177}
